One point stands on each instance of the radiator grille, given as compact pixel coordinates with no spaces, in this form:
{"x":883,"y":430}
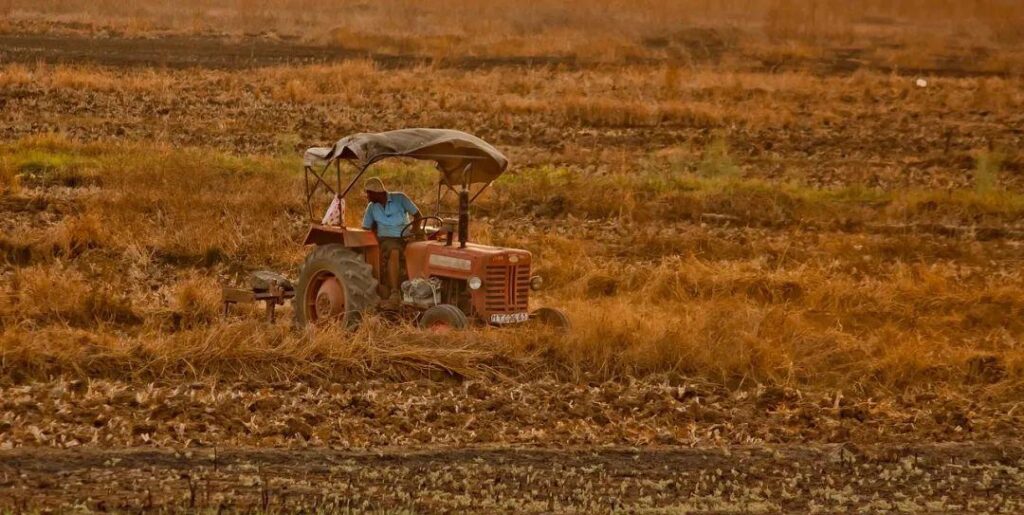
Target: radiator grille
{"x":507,"y":288}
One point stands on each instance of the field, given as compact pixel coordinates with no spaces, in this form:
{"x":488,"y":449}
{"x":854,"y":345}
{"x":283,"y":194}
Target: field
{"x":789,"y":235}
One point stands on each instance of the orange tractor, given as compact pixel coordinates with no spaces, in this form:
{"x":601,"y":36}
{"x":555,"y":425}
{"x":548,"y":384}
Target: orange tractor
{"x":447,"y":281}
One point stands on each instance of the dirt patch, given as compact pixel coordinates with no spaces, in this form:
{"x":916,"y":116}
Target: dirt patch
{"x":980,"y":476}
{"x":700,"y":46}
{"x":221,"y":53}
{"x":379,"y":413}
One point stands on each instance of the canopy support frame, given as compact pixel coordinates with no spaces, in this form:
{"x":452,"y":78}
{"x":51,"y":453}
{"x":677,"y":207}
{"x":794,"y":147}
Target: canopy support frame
{"x":311,"y":190}
{"x":458,"y":150}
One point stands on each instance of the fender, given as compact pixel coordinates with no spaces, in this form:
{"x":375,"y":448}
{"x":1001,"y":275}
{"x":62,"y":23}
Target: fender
{"x":324,"y":234}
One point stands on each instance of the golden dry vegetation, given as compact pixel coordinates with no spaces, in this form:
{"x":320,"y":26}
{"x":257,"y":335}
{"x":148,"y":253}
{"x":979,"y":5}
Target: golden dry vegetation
{"x":139,"y":237}
{"x":769,"y":221}
{"x":980,"y":35}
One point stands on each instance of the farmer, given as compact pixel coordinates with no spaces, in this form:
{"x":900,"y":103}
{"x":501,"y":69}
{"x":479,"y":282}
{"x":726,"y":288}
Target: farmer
{"x":387,"y":213}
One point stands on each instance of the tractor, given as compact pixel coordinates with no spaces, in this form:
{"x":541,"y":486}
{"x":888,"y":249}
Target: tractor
{"x":447,"y":282}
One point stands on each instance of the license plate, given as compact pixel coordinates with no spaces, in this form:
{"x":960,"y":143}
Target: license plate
{"x":509,"y":318}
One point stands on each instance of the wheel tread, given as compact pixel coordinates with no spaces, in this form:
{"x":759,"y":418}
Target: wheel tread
{"x":452,"y":314}
{"x":355,"y":274}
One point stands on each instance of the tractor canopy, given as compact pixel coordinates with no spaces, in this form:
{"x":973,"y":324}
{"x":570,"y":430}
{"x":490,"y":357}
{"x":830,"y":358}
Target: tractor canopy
{"x":456,"y":153}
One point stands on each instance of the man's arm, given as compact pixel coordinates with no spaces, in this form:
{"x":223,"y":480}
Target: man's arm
{"x":368,"y":218}
{"x":416,"y":227}
{"x":408,"y":205}
{"x":411,"y":208}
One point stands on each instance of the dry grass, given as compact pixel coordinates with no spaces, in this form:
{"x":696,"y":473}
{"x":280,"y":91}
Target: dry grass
{"x":130,"y":281}
{"x":604,"y":31}
{"x":743,"y":193}
{"x":828,"y":131}
{"x":9,"y":180}
{"x":245,"y":349}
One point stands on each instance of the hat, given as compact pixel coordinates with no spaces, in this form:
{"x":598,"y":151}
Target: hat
{"x":374,"y":184}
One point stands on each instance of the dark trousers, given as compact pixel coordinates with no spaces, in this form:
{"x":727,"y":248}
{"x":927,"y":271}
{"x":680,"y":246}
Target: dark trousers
{"x":387,"y":245}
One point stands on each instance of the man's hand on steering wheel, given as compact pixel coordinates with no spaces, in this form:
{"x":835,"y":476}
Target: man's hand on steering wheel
{"x":418,"y":227}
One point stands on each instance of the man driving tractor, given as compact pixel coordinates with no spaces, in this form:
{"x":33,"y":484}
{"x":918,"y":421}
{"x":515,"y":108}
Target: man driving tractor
{"x":452,"y":282}
{"x":387,"y":214}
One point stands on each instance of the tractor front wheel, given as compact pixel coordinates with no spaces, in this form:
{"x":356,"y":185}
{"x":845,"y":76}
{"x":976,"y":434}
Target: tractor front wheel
{"x":335,"y":285}
{"x":551,"y":317}
{"x":443,"y":318}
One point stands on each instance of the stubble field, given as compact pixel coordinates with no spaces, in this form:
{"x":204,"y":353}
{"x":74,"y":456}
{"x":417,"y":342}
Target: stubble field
{"x":790,"y":243}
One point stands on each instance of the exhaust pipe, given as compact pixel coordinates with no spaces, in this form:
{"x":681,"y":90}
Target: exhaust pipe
{"x":463,"y":218}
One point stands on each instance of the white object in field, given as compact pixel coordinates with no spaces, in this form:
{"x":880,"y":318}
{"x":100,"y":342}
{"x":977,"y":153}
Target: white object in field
{"x":921,"y":83}
{"x":335,"y":213}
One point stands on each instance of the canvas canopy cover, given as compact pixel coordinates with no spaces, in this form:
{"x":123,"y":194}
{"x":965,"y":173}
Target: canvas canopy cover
{"x":454,"y":151}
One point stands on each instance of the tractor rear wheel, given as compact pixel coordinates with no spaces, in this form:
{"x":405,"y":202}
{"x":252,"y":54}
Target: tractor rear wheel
{"x":443,"y":318}
{"x":335,"y":285}
{"x":551,"y":317}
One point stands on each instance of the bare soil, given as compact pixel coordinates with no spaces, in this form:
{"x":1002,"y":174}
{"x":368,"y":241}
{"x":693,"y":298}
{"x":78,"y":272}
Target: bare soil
{"x":542,"y":412}
{"x":983,"y":476}
{"x":112,"y":439}
{"x":213,"y":52}
{"x":852,"y":138}
{"x":222,"y":52}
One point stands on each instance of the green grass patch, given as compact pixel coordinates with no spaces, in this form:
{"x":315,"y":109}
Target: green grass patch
{"x":186,"y":183}
{"x":35,"y":167}
{"x":653,"y":192}
{"x":987,"y":165}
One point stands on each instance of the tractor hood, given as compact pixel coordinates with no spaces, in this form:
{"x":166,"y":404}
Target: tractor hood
{"x":453,"y":151}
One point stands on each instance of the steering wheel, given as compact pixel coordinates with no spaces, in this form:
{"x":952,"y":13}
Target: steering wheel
{"x":421,"y":227}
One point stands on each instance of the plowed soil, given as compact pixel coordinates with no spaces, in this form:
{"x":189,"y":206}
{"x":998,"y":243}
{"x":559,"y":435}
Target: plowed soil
{"x":176,"y":51}
{"x":533,"y":447}
{"x":212,"y":52}
{"x":825,"y":127}
{"x":799,"y":478}
{"x":112,"y":433}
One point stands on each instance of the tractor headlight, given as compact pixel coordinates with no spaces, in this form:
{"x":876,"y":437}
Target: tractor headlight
{"x":474,"y":283}
{"x":536,"y":282}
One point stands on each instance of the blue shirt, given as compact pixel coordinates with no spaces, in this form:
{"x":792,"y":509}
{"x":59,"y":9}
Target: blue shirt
{"x":389,"y":218}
